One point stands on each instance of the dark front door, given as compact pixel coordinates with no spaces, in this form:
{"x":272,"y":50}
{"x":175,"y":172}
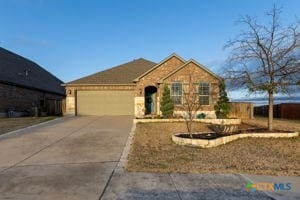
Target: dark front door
{"x":150,"y":97}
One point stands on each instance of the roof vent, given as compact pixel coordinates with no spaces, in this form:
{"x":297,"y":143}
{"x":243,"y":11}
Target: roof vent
{"x":27,"y":72}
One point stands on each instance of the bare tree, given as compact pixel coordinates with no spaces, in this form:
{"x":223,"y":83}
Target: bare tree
{"x":265,"y":57}
{"x":191,"y":103}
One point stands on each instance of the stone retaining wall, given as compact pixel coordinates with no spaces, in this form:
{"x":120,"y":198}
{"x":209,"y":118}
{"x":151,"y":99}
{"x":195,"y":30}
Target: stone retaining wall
{"x":204,"y":143}
{"x":209,"y":121}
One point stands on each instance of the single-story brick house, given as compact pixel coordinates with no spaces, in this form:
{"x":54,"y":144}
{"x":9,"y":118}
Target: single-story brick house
{"x":135,"y":88}
{"x":25,"y":86}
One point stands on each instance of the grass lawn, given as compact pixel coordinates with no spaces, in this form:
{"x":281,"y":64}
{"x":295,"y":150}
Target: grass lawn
{"x":10,"y":124}
{"x":154,"y":151}
{"x":281,"y":124}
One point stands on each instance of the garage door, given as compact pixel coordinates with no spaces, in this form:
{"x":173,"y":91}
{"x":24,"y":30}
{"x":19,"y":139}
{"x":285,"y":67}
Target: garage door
{"x":105,"y":103}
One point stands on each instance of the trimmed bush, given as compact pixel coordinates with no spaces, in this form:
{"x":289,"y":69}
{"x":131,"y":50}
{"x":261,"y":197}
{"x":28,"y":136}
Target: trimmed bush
{"x":222,"y":107}
{"x":166,"y":104}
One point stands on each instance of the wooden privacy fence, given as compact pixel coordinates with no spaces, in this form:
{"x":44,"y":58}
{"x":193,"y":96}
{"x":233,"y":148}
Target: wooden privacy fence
{"x":242,"y":110}
{"x":55,"y":107}
{"x":284,"y":110}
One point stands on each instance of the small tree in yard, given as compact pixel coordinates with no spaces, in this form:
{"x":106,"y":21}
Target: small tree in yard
{"x":166,"y":104}
{"x":222,"y":107}
{"x":265,"y":58}
{"x":191,"y":104}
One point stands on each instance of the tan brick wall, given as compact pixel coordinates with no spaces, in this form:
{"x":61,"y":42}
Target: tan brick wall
{"x":198,"y":75}
{"x":154,"y":76}
{"x":22,"y":99}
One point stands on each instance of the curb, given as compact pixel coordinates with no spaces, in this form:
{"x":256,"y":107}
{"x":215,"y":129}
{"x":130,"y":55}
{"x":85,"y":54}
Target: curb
{"x":19,"y":131}
{"x":123,"y":160}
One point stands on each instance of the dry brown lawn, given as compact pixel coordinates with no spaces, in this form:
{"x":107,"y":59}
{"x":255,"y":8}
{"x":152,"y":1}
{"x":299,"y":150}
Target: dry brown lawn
{"x":280,"y":124}
{"x":10,"y":124}
{"x":153,"y":151}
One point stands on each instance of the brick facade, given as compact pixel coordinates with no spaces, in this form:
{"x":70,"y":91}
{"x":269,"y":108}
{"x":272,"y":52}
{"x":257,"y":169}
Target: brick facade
{"x":155,"y":78}
{"x":152,"y":78}
{"x":23,"y":99}
{"x":197,"y":75}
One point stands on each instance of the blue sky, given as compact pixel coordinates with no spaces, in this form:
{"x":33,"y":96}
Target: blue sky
{"x":75,"y":38}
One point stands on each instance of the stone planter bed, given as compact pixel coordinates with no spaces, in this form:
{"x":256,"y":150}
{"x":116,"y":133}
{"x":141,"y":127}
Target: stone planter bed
{"x":209,"y":121}
{"x":208,"y":140}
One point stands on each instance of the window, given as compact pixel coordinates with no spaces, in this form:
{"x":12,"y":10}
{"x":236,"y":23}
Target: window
{"x":204,"y":93}
{"x":176,"y":93}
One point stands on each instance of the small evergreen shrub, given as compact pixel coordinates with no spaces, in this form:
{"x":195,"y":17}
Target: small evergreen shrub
{"x":166,"y":104}
{"x":201,"y":116}
{"x":222,"y":108}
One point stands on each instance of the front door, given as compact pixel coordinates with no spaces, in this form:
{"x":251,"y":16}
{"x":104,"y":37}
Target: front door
{"x":150,"y":97}
{"x":149,"y":103}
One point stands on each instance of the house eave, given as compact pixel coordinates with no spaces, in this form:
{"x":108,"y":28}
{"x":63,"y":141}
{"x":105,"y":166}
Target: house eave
{"x":32,"y":88}
{"x":89,"y":84}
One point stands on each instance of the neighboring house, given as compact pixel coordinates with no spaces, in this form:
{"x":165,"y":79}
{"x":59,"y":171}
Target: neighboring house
{"x":135,"y":88}
{"x":25,"y":86}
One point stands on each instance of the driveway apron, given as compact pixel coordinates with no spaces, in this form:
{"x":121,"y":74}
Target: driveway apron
{"x":69,"y":158}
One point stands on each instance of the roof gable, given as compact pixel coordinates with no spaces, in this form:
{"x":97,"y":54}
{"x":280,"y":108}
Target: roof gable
{"x":21,"y":71}
{"x":158,"y":65}
{"x":185,"y":64}
{"x":121,"y":74}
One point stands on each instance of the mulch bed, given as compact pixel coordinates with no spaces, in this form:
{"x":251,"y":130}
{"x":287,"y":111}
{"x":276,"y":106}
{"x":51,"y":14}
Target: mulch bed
{"x":243,"y":128}
{"x":207,"y":136}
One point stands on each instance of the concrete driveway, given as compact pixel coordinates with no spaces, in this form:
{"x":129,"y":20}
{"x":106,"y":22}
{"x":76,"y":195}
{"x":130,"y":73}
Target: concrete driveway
{"x":69,"y":158}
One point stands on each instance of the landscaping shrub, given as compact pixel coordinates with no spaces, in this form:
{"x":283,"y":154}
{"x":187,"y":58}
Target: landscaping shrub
{"x":201,"y":116}
{"x":166,"y":104}
{"x":222,"y":107}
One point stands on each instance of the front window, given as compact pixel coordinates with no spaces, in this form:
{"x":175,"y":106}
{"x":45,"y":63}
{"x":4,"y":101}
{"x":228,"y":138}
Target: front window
{"x":204,"y":93}
{"x":176,"y":93}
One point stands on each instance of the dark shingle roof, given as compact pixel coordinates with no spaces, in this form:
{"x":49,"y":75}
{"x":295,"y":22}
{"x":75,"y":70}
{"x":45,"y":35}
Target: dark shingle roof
{"x":121,"y":74}
{"x":17,"y":70}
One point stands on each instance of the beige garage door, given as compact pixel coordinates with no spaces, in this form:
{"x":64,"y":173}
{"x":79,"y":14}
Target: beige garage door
{"x":105,"y":103}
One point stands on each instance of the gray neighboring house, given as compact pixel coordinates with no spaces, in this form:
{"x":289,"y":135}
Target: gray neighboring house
{"x":25,"y":86}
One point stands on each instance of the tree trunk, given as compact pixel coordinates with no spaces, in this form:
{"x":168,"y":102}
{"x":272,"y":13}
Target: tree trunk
{"x":270,"y":120}
{"x":189,"y":128}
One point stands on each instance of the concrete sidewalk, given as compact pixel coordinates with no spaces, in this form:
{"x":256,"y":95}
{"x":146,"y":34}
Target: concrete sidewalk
{"x":294,"y":193}
{"x":124,"y":185}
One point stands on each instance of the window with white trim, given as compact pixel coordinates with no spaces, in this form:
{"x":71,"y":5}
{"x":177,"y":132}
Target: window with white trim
{"x":176,"y":93}
{"x":204,"y":93}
